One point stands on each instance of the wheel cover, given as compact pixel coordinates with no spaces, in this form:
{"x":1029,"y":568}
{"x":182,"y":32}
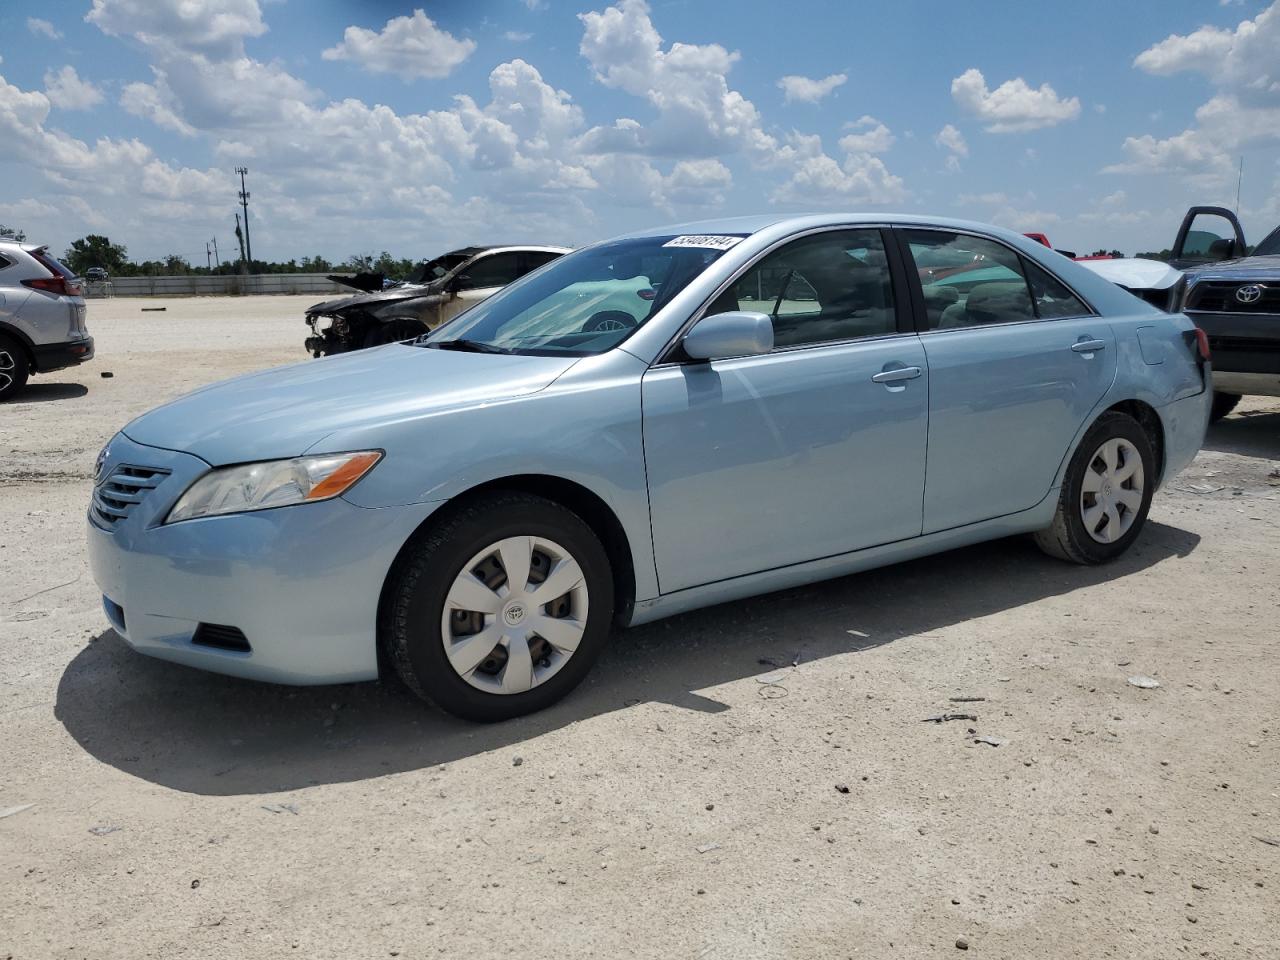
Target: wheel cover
{"x":514,"y":615}
{"x":8,"y":369}
{"x":1111,"y":494}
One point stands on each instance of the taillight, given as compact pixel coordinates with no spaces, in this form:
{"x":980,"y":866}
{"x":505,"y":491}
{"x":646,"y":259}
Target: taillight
{"x":1202,"y":344}
{"x":60,"y":286}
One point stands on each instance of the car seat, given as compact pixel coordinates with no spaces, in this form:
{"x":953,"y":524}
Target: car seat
{"x":1003,"y":301}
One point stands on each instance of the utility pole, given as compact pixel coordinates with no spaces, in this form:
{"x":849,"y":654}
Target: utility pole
{"x":208,"y":257}
{"x":244,"y":260}
{"x":215,"y":253}
{"x":244,"y":202}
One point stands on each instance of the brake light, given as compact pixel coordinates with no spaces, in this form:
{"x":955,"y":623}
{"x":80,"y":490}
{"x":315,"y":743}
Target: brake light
{"x":1202,"y":344}
{"x":59,"y":286}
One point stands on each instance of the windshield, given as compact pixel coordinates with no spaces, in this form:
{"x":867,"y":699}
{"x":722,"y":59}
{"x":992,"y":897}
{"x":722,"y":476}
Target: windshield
{"x":430,"y":270}
{"x":584,"y":303}
{"x":1269,"y":247}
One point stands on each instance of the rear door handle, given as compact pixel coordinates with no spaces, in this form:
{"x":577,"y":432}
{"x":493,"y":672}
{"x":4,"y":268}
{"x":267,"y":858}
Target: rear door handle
{"x":1088,"y":346}
{"x":896,"y":374}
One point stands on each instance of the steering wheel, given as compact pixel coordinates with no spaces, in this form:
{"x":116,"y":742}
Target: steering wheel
{"x":609,"y":320}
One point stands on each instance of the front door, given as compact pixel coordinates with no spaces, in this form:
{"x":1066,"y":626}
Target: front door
{"x":1017,"y":364}
{"x":810,"y":451}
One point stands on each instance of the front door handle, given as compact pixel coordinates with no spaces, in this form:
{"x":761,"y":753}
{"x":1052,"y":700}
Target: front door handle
{"x":896,"y":374}
{"x":1088,"y":346}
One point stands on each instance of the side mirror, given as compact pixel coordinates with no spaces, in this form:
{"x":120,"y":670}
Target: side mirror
{"x":723,"y":335}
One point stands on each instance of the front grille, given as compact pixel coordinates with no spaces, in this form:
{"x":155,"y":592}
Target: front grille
{"x":221,"y":636}
{"x":125,"y":488}
{"x":1217,"y":296}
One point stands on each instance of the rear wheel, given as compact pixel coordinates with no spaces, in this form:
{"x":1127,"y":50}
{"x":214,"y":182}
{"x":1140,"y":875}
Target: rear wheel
{"x":501,"y":609}
{"x":1105,"y":495}
{"x":1223,"y":403}
{"x":13,"y":368}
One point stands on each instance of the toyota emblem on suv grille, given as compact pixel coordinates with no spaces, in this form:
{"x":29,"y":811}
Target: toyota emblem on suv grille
{"x":1251,"y":293}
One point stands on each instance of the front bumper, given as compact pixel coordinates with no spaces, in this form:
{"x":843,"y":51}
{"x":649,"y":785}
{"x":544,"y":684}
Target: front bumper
{"x":1241,"y":342}
{"x":58,"y":356}
{"x":302,"y":583}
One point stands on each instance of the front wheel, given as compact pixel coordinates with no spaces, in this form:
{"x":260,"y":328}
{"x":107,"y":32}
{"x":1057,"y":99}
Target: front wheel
{"x":1105,"y":495}
{"x":501,"y":609}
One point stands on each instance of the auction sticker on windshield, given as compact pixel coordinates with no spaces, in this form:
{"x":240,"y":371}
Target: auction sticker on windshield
{"x":707,"y":241}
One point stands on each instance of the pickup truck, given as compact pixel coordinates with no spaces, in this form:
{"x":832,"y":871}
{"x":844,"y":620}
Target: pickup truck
{"x":1233,"y":295}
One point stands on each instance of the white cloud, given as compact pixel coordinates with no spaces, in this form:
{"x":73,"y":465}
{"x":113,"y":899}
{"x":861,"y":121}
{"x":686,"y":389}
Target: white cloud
{"x":874,"y":137}
{"x":949,"y":138}
{"x":43,"y":28}
{"x":410,"y":47}
{"x":217,"y":28}
{"x":1190,"y":153}
{"x":1014,"y":105}
{"x":67,"y":91}
{"x":154,"y":104}
{"x":820,"y":179}
{"x":1020,"y":220}
{"x":698,"y":113}
{"x":797,"y":89}
{"x":1243,"y":59}
{"x":517,"y":36}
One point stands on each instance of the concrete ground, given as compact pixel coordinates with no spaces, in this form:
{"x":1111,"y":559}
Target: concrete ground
{"x":753,"y":780}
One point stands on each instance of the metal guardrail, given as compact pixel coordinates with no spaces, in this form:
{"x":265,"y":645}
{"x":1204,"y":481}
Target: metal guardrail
{"x":200,"y":285}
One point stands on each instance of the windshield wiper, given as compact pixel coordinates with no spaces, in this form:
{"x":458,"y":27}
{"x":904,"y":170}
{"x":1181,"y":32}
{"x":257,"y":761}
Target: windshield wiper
{"x":464,"y":346}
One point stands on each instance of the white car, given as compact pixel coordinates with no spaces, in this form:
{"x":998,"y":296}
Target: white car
{"x":41,"y":316}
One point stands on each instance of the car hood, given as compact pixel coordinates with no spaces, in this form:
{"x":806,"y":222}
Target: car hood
{"x":1245,"y":268}
{"x":407,"y":291}
{"x":284,"y":412}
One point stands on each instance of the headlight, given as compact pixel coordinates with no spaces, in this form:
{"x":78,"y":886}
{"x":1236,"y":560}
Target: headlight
{"x":276,"y":483}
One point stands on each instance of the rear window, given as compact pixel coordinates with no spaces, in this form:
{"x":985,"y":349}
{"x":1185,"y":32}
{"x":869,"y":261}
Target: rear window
{"x":52,"y":264}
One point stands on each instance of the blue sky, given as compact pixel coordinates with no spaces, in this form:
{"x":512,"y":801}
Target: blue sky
{"x":377,"y":125}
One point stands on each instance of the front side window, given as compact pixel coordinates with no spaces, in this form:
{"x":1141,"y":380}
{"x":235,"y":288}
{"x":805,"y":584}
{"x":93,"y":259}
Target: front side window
{"x":968,"y":281}
{"x":819,"y":289}
{"x":586,"y":302}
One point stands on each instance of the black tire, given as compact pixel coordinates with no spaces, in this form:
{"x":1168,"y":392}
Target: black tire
{"x":1067,"y":538}
{"x":422,"y":577}
{"x":1223,"y":403}
{"x":14,"y":368}
{"x":393,"y":331}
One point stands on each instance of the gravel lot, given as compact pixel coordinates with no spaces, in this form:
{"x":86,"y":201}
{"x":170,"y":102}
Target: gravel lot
{"x":692,"y":799}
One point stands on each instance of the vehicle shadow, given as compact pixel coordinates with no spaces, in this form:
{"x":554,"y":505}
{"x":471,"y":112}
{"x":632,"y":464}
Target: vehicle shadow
{"x":1252,"y":433}
{"x":44,"y":392}
{"x":208,"y":734}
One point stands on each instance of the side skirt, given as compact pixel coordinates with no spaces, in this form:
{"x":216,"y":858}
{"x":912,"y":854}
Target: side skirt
{"x":783,"y":578}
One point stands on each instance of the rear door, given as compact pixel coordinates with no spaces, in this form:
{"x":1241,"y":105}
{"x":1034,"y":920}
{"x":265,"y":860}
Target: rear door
{"x":1207,"y":235}
{"x":1017,"y":362}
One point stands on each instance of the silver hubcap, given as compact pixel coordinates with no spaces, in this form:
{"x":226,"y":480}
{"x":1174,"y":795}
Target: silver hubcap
{"x":8,"y":369}
{"x":514,"y":615}
{"x":1112,"y":491}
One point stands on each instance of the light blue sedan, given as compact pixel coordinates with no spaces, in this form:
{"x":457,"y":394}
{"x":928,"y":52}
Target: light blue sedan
{"x":655,"y":423}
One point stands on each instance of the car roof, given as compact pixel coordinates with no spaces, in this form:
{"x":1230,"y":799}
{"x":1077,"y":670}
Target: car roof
{"x":507,"y":248}
{"x":793,"y":222}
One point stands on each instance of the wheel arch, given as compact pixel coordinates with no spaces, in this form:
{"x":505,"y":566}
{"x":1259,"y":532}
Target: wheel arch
{"x":1151,"y":424}
{"x":587,"y":504}
{"x":23,"y":340}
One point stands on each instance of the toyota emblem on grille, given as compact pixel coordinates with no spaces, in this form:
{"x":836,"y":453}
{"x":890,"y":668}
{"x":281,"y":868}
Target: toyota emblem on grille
{"x":1251,"y":293}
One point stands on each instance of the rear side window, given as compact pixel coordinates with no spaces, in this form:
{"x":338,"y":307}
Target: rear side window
{"x":5,"y":261}
{"x":1052,"y":299}
{"x":968,"y":281}
{"x":532,"y":261}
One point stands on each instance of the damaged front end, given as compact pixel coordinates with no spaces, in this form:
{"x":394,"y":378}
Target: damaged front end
{"x":372,"y":319}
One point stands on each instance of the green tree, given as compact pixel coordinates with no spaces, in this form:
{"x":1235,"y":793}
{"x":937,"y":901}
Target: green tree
{"x":16,"y":232}
{"x":175,"y":264}
{"x":96,"y":251}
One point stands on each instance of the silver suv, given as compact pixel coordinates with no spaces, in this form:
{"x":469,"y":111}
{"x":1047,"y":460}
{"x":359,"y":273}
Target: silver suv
{"x":41,"y":316}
